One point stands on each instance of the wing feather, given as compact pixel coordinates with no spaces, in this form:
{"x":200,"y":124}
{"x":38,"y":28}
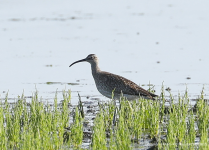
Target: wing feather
{"x":120,"y":84}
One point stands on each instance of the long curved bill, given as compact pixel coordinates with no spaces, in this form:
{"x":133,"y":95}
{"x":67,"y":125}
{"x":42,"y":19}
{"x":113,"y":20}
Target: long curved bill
{"x":77,"y":62}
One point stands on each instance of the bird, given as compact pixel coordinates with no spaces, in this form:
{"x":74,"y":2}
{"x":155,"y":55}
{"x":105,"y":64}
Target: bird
{"x":114,"y":86}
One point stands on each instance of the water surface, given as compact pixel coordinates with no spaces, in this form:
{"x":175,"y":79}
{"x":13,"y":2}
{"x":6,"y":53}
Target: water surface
{"x":144,"y":41}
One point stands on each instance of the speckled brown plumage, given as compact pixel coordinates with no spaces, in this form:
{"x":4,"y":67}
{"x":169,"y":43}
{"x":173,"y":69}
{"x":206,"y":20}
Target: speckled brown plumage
{"x":121,"y":85}
{"x":107,"y":83}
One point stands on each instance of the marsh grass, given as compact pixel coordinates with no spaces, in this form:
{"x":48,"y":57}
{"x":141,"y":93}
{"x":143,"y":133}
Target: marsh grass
{"x":146,"y":119}
{"x":38,"y":125}
{"x":33,"y":125}
{"x":76,"y":130}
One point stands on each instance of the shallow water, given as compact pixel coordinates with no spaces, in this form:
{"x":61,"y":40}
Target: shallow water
{"x":144,"y":41}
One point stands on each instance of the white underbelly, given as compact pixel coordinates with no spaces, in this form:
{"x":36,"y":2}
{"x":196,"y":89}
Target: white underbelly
{"x":117,"y":96}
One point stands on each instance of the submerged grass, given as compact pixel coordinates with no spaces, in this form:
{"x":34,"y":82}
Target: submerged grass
{"x":38,"y":125}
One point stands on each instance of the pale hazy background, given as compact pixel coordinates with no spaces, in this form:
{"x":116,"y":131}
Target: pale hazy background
{"x":144,"y":41}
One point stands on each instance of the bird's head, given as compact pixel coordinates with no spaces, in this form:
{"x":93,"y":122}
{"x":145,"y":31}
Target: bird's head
{"x":91,"y":58}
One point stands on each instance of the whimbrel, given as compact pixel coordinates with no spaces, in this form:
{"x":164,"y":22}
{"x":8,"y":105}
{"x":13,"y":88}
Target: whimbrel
{"x":109,"y":84}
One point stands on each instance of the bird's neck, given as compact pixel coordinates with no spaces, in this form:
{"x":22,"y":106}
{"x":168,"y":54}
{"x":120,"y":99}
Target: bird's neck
{"x":95,"y":68}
